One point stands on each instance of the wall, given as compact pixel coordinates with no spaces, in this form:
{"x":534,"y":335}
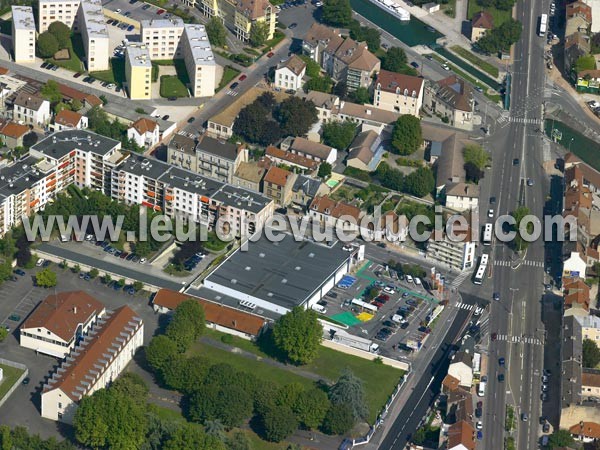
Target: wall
{"x":366,"y":355}
{"x":17,"y":365}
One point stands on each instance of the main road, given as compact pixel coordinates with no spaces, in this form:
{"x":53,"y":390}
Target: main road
{"x":518,"y":278}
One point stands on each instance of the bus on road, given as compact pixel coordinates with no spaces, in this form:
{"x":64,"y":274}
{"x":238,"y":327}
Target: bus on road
{"x":543,"y":24}
{"x":481,"y":269}
{"x":487,"y":234}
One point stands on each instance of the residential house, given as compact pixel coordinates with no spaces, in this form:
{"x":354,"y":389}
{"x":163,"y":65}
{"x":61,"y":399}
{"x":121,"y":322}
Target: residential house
{"x":333,"y":213}
{"x":217,"y":316}
{"x":350,"y":62}
{"x":219,"y":159}
{"x":365,"y":152}
{"x":69,"y":94}
{"x":576,"y":45}
{"x":94,"y":363}
{"x":249,"y":175}
{"x":399,"y":93}
{"x":590,"y":327}
{"x":450,"y":98}
{"x":319,"y":38}
{"x":12,"y":134}
{"x":590,"y":384}
{"x":481,"y":23}
{"x":577,"y":297}
{"x":304,"y":190}
{"x":144,"y":132}
{"x":59,"y":322}
{"x":31,"y":109}
{"x":367,"y":116}
{"x":576,"y":24}
{"x":278,"y":156}
{"x":311,"y":150}
{"x":69,"y":120}
{"x":462,"y":196}
{"x":586,"y":431}
{"x":461,"y":436}
{"x":277,"y":185}
{"x":324,"y":102}
{"x":461,"y":368}
{"x":238,"y":16}
{"x":593,"y":16}
{"x":290,"y":74}
{"x":571,"y":359}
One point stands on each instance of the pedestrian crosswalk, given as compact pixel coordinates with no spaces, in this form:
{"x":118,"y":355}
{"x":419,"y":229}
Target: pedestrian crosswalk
{"x":459,"y":279}
{"x":505,"y":119}
{"x":519,"y":339}
{"x":469,"y":307}
{"x":232,"y":93}
{"x":517,"y":263}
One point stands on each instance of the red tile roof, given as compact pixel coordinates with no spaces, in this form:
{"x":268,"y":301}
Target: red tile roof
{"x":461,"y":433}
{"x":579,"y":8}
{"x":62,"y":313}
{"x":325,"y":205}
{"x":88,"y":362}
{"x":222,"y":315}
{"x":586,"y":429}
{"x":14,"y":130}
{"x":577,"y":293}
{"x":68,"y":118}
{"x":482,"y":19}
{"x":292,"y":158}
{"x":277,"y":176}
{"x":71,"y":93}
{"x":143,"y":125}
{"x":396,"y":82}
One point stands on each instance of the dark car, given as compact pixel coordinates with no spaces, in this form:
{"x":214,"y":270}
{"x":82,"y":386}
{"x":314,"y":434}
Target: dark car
{"x":234,"y":85}
{"x":54,"y":67}
{"x":501,"y":377}
{"x":19,"y":272}
{"x":44,"y":65}
{"x":496,"y":296}
{"x":77,"y":75}
{"x":191,"y":120}
{"x":478,"y":412}
{"x":165,"y":117}
{"x":414,"y":64}
{"x":390,"y":324}
{"x":293,"y":25}
{"x":46,"y":263}
{"x":516,"y":162}
{"x":146,"y":6}
{"x":129,"y":257}
{"x":172,"y":99}
{"x":404,"y":325}
{"x":546,"y":427}
{"x":130,"y":28}
{"x":501,"y":361}
{"x":25,"y":381}
{"x":494,"y":336}
{"x":242,"y":77}
{"x":331,"y":294}
{"x":492,"y":200}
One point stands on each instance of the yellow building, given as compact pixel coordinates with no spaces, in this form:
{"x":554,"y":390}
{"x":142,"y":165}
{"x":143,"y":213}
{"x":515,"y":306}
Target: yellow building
{"x":239,"y":15}
{"x":138,"y":71}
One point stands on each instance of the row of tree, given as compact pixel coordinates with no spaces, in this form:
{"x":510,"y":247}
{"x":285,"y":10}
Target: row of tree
{"x":100,"y":123}
{"x":419,"y":183}
{"x":19,"y":438}
{"x":500,"y":38}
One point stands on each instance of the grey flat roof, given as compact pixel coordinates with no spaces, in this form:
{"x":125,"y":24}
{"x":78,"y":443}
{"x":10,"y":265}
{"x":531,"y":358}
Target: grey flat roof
{"x":93,"y":17}
{"x":23,"y":17}
{"x":285,"y":273}
{"x":220,"y":148}
{"x":61,"y":143}
{"x":197,"y":39}
{"x":173,"y":22}
{"x":138,"y":54}
{"x":241,"y":198}
{"x":19,"y":176}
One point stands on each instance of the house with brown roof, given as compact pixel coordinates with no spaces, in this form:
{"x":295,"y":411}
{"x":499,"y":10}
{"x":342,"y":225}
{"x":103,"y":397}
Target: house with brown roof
{"x":69,"y":120}
{"x":31,"y":109}
{"x":309,"y":149}
{"x":577,"y":44}
{"x":278,"y":156}
{"x":277,"y":185}
{"x":319,"y":38}
{"x":577,"y":297}
{"x":218,"y":316}
{"x":329,"y":212}
{"x":579,"y":8}
{"x":365,"y":151}
{"x":586,"y":431}
{"x":249,"y":175}
{"x":94,"y":363}
{"x":461,"y":436}
{"x":290,"y":74}
{"x":59,"y":321}
{"x":481,"y":23}
{"x":70,"y":94}
{"x":351,"y":62}
{"x":402,"y":94}
{"x":462,"y":196}
{"x":12,"y":133}
{"x":144,"y":132}
{"x":451,"y":98}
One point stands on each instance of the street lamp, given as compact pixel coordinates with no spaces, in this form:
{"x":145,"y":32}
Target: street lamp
{"x":570,"y":142}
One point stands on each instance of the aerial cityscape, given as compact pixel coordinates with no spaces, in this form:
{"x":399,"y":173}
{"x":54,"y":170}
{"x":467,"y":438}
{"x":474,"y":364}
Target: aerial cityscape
{"x":300,"y":224}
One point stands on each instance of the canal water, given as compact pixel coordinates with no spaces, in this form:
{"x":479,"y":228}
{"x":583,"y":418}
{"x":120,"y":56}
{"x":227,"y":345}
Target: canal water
{"x":587,"y":149}
{"x":413,"y":32}
{"x":469,"y":68}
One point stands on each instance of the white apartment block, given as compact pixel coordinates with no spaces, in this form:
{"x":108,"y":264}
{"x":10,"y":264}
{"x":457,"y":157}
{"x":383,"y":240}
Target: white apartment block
{"x":199,"y":61}
{"x":458,"y":255}
{"x":23,"y":34}
{"x":162,"y":37}
{"x":92,"y":25}
{"x":96,"y":362}
{"x":64,"y":11}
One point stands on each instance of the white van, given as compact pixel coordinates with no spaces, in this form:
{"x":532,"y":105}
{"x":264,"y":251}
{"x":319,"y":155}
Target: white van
{"x":481,"y":391}
{"x":318,"y":308}
{"x":409,"y":278}
{"x":417,"y":281}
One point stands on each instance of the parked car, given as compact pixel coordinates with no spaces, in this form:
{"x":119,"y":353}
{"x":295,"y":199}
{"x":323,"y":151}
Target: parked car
{"x":19,"y":272}
{"x":130,"y":28}
{"x":191,"y":120}
{"x":165,"y":117}
{"x":77,"y":75}
{"x":242,"y":77}
{"x":234,"y":85}
{"x":270,"y":54}
{"x":160,"y":11}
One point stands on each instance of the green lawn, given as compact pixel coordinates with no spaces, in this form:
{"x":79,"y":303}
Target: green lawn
{"x":499,"y":16}
{"x":475,"y":60}
{"x":116,"y":73}
{"x":76,"y":53}
{"x":277,"y":38}
{"x":11,"y":375}
{"x":229,"y":73}
{"x":171,"y":86}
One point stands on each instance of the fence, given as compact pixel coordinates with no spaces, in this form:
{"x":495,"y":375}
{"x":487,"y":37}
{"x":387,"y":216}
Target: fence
{"x":16,"y":365}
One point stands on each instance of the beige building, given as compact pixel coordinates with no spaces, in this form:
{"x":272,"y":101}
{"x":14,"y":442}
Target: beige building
{"x":318,"y":38}
{"x":590,"y":328}
{"x":162,"y":37}
{"x":290,"y":74}
{"x":462,"y":196}
{"x":328,"y":212}
{"x":249,"y":175}
{"x":458,"y":254}
{"x":138,"y":71}
{"x":23,"y":34}
{"x":30,"y":109}
{"x":93,"y":364}
{"x":94,"y":34}
{"x":144,"y":132}
{"x":451,"y":98}
{"x":351,"y":62}
{"x":399,"y":93}
{"x":59,"y":321}
{"x":366,"y":151}
{"x":199,"y":61}
{"x":277,"y":185}
{"x":309,"y":149}
{"x":461,"y":368}
{"x":239,"y":15}
{"x":64,"y":11}
{"x":590,"y":384}
{"x":481,"y":23}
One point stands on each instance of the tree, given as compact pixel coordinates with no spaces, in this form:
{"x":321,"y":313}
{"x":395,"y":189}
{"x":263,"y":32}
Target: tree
{"x":76,"y":105}
{"x":349,"y":390}
{"x":186,"y":436}
{"x":560,"y":438}
{"x":239,"y":441}
{"x":217,"y":34}
{"x":138,"y":286}
{"x":324,"y":170}
{"x":298,"y":335}
{"x":337,"y":13}
{"x":259,"y":33}
{"x":473,"y":173}
{"x":215,"y":428}
{"x":3,"y":333}
{"x":389,"y":177}
{"x":501,"y":38}
{"x":94,"y":273}
{"x":395,"y":60}
{"x":296,"y":116}
{"x":339,"y":135}
{"x":251,"y":122}
{"x":371,"y":36}
{"x":160,"y":352}
{"x":311,"y":408}
{"x":277,"y":423}
{"x":319,"y":83}
{"x":187,"y":324}
{"x":62,"y":33}
{"x":475,"y":154}
{"x":51,"y":92}
{"x":230,"y":404}
{"x":341,"y":89}
{"x":586,"y":62}
{"x":106,"y":278}
{"x":312,"y":67}
{"x":420,"y":182}
{"x":519,"y":214}
{"x":591,"y":354}
{"x":60,"y":106}
{"x":361,"y":96}
{"x":47,"y":45}
{"x":339,"y":419}
{"x":45,"y":278}
{"x":407,"y":136}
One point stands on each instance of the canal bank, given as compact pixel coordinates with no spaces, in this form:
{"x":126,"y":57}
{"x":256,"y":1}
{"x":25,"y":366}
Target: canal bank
{"x":572,"y":140}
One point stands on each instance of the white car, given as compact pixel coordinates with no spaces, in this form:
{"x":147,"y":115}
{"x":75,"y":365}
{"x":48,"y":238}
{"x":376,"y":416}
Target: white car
{"x":445,"y":67}
{"x":143,"y":261}
{"x":490,"y":213}
{"x":40,"y":262}
{"x":409,"y":279}
{"x":347,"y":248}
{"x":418,"y":281}
{"x":388,"y":290}
{"x":118,"y":11}
{"x":479,"y":425}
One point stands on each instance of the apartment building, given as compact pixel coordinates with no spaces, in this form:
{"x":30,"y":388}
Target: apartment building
{"x":239,"y":15}
{"x":450,"y":98}
{"x":317,"y":39}
{"x":309,"y":149}
{"x":92,"y":26}
{"x":398,"y":93}
{"x":329,"y":212}
{"x":351,"y":62}
{"x":199,"y":61}
{"x":590,"y":327}
{"x":290,"y":74}
{"x":64,"y":11}
{"x":31,"y":109}
{"x":12,"y":133}
{"x":59,"y":321}
{"x":457,"y":251}
{"x":97,"y":361}
{"x":162,"y":37}
{"x":23,"y":34}
{"x":138,"y":71}
{"x":278,"y":184}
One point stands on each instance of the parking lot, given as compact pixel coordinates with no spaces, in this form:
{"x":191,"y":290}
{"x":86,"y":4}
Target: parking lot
{"x":20,"y":297}
{"x":396,"y":298}
{"x":135,"y":10}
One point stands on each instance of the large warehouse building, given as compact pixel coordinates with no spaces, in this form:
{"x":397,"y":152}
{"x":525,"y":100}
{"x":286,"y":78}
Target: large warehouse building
{"x":277,"y":276}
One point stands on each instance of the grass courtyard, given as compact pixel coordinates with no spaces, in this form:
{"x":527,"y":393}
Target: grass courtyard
{"x":499,"y":16}
{"x":171,"y":86}
{"x":11,"y":375}
{"x":229,"y":73}
{"x":76,"y":56}
{"x":116,"y":73}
